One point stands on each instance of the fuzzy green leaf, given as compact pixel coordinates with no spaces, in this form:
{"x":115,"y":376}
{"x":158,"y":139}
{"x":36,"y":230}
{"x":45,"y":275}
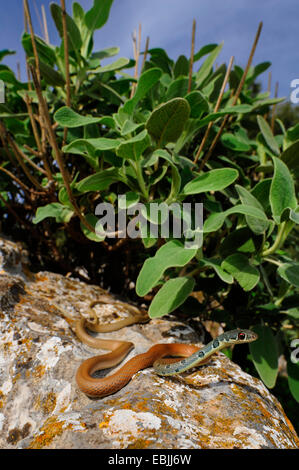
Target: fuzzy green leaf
{"x":240,"y":268}
{"x":172,"y":254}
{"x":268,"y":135}
{"x":258,"y":226}
{"x":282,"y":191}
{"x":171,"y":295}
{"x":66,"y":117}
{"x":146,"y":81}
{"x":60,"y":212}
{"x":265,"y":355}
{"x":214,"y":180}
{"x":167,"y":121}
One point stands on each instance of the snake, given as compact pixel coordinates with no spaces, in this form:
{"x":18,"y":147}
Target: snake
{"x":192,"y":355}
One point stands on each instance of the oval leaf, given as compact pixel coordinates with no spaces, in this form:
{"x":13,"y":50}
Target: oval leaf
{"x":265,"y":355}
{"x":66,"y":117}
{"x":282,"y":191}
{"x":171,"y":295}
{"x":290,"y":273}
{"x":172,"y":254}
{"x":146,"y":81}
{"x":258,"y":226}
{"x":240,"y":268}
{"x":214,"y":180}
{"x":268,"y":135}
{"x":60,"y":212}
{"x":167,"y":121}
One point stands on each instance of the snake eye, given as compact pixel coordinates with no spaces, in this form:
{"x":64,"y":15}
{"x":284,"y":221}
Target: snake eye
{"x":241,"y":336}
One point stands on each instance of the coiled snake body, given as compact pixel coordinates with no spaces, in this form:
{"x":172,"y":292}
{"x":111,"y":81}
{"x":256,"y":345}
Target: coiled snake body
{"x":193,"y":356}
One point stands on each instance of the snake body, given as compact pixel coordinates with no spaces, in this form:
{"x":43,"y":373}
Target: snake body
{"x":193,"y":356}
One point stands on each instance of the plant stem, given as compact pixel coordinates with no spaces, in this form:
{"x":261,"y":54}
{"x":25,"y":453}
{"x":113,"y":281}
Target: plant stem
{"x":137,"y":168}
{"x":277,"y":242}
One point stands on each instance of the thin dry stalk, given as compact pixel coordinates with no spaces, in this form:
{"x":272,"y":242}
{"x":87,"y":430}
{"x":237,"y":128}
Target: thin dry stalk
{"x":19,"y":71}
{"x":66,"y":61}
{"x":45,"y":25}
{"x":15,"y":215}
{"x":40,"y":152}
{"x":145,"y":52}
{"x":136,"y":48}
{"x":274,"y":109}
{"x":29,"y":21}
{"x":38,"y":15}
{"x":17,"y":154}
{"x":192,"y":56}
{"x":17,"y":180}
{"x":225,"y":81}
{"x":27,"y":159}
{"x":228,"y":118}
{"x":53,"y":141}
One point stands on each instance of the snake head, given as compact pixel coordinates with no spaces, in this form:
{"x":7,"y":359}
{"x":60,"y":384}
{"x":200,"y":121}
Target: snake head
{"x":242,"y":336}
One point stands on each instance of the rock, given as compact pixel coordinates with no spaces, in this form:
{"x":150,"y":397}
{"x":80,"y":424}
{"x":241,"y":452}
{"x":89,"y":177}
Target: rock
{"x":215,"y":406}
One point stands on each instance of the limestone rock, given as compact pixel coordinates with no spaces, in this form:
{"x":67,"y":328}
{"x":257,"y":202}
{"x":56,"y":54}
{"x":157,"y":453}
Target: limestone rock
{"x":215,"y":406}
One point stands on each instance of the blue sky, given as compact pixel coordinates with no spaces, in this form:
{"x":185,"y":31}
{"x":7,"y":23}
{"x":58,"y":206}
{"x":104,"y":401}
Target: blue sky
{"x":169,"y":24}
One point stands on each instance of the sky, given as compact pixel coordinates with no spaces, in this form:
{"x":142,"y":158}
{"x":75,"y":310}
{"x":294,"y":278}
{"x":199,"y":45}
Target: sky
{"x":168,"y":23}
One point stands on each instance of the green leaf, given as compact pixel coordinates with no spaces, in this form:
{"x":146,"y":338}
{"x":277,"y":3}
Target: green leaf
{"x":172,"y":254}
{"x":92,"y":220}
{"x":98,"y":15}
{"x":66,"y":117}
{"x":258,"y":226}
{"x":268,"y":135}
{"x":92,"y":146}
{"x":74,"y":36}
{"x":198,"y":104}
{"x":293,"y":379}
{"x":50,"y":75}
{"x":290,"y":273}
{"x":5,"y":52}
{"x":176,"y":178}
{"x":214,"y":180}
{"x":282,"y":191}
{"x":216,"y":220}
{"x":60,"y":212}
{"x":178,"y":87}
{"x":130,"y":200}
{"x":204,"y":51}
{"x":261,"y":192}
{"x":146,"y":81}
{"x":241,"y":240}
{"x":167,"y":121}
{"x":118,"y":64}
{"x":45,"y":52}
{"x":132,"y":149}
{"x":232,"y":142}
{"x":290,"y":156}
{"x":257,"y":70}
{"x":216,"y":265}
{"x":181,"y":67}
{"x":99,"y":181}
{"x":206,"y":67}
{"x":265,"y":355}
{"x":171,"y":295}
{"x":105,"y":53}
{"x":240,"y":268}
